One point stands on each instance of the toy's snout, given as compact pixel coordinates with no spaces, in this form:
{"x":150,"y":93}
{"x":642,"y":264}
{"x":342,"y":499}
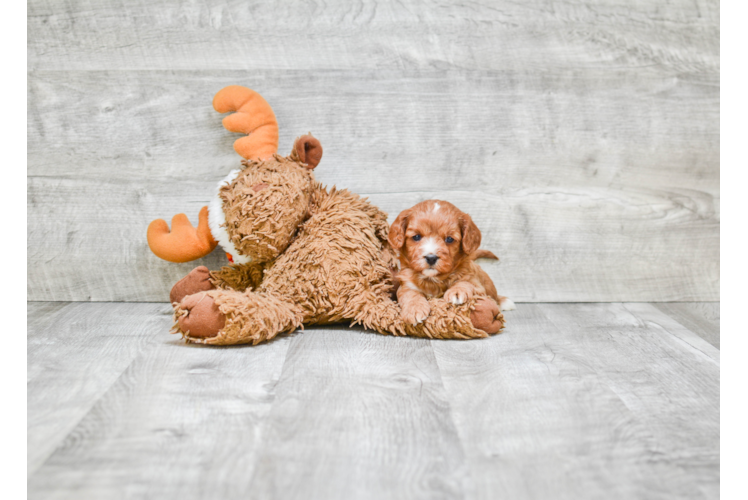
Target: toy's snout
{"x":265,"y":203}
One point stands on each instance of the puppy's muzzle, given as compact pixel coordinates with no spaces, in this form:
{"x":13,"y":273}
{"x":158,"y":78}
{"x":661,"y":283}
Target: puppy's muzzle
{"x":431,"y":259}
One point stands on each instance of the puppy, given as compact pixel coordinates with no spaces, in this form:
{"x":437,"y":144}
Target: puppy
{"x":438,"y":244}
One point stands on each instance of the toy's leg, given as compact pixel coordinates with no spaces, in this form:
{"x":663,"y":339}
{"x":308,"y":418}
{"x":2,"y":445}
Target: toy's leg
{"x":199,"y":316}
{"x":225,"y":317}
{"x":475,"y":319}
{"x":198,"y":280}
{"x":237,"y":277}
{"x":486,"y":315}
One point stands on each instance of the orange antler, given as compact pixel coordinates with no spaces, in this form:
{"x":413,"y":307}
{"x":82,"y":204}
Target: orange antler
{"x":253,"y":116}
{"x":185,"y":242}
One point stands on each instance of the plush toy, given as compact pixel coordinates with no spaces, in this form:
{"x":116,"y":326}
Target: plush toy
{"x":301,"y":254}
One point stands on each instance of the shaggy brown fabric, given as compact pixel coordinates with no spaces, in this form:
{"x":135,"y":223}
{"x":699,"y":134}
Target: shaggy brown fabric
{"x":238,"y":277}
{"x":262,"y":223}
{"x":319,"y":255}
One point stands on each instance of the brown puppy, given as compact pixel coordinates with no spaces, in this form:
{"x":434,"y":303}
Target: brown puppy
{"x":438,"y":244}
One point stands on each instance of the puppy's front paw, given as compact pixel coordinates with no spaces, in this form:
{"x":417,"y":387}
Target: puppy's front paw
{"x":415,"y":312}
{"x":457,"y":296}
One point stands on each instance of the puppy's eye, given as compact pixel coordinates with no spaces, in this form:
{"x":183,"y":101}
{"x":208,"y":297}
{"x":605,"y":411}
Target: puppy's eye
{"x":417,"y":237}
{"x":449,"y":239}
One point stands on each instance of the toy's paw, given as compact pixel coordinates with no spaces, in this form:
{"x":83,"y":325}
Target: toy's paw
{"x":486,"y":316}
{"x":203,"y":318}
{"x":457,"y":295}
{"x":415,"y":312}
{"x":197,"y":281}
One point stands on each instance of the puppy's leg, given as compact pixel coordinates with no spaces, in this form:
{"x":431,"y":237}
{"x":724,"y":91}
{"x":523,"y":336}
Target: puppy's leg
{"x":414,"y":306}
{"x":506,"y":304}
{"x":460,"y":292}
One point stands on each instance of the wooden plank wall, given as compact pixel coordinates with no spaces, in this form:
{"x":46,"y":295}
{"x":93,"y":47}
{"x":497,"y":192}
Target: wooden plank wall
{"x":582,"y":136}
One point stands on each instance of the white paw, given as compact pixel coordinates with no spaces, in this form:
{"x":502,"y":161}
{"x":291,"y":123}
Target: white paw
{"x":455,"y":297}
{"x":416,"y":314}
{"x":507,"y":304}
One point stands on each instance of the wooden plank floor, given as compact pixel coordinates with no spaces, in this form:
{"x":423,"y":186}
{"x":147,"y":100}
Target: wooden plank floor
{"x":607,"y":400}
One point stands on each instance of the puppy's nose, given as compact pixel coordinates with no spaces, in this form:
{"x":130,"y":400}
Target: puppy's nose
{"x":431,"y":259}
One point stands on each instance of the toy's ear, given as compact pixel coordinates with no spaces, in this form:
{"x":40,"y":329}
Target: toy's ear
{"x":308,"y":151}
{"x":470,"y":234}
{"x":396,"y":237}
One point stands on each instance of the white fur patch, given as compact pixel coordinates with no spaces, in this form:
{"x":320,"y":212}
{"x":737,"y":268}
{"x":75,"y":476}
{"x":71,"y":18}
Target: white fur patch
{"x":436,"y":207}
{"x":507,"y":304}
{"x":412,"y":286}
{"x":429,"y":246}
{"x":457,"y":300}
{"x":429,"y":273}
{"x":217,"y":219}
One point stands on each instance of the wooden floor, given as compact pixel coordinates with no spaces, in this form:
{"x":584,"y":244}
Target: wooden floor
{"x":608,"y":400}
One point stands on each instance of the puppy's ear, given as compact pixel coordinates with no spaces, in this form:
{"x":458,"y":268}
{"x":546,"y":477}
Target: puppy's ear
{"x":396,"y":237}
{"x":470,"y":234}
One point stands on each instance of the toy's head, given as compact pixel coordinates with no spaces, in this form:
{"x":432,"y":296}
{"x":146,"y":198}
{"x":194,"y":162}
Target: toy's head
{"x":263,"y":204}
{"x":259,"y":208}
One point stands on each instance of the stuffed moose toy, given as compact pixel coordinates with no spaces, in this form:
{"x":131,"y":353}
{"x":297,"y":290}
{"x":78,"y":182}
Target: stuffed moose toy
{"x":301,"y":254}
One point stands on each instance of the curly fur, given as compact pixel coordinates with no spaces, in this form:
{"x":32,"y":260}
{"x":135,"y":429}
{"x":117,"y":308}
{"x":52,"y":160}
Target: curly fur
{"x":319,"y":256}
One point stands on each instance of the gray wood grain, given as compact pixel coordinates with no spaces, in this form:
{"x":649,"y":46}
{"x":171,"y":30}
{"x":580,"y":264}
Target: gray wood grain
{"x":655,"y":319}
{"x":359,"y":415}
{"x":733,"y":268}
{"x":587,"y":401}
{"x":180,"y":422}
{"x":76,"y":352}
{"x":549,"y":246}
{"x":571,"y":401}
{"x":391,"y":131}
{"x":701,"y":318}
{"x":596,"y":185}
{"x":497,"y":35}
{"x":583,"y":136}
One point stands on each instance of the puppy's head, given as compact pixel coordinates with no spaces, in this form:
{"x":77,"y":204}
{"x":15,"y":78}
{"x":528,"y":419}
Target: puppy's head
{"x":433,"y":237}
